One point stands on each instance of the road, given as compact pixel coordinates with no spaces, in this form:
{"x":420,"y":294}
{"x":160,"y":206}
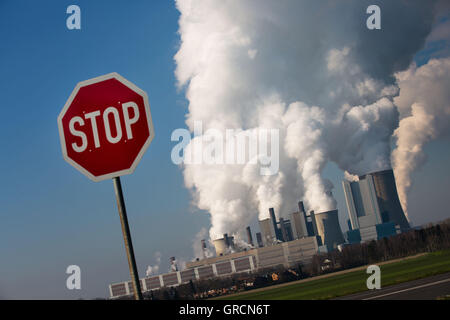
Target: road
{"x":422,"y":289}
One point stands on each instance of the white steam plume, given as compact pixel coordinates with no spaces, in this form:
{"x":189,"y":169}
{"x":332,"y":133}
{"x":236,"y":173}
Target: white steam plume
{"x":152,"y":270}
{"x":424,"y":106}
{"x":197,"y":246}
{"x":310,"y":69}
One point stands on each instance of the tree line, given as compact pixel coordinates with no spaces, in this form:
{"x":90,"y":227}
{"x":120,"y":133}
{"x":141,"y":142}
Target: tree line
{"x":428,"y":239}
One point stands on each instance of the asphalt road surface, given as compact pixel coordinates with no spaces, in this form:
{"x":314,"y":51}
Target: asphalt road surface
{"x":423,"y":289}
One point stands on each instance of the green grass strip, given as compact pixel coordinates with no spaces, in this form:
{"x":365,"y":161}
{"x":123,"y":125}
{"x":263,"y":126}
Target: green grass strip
{"x":353,"y":282}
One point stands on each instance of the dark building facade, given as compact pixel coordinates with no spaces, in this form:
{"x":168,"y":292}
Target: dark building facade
{"x":387,"y":196}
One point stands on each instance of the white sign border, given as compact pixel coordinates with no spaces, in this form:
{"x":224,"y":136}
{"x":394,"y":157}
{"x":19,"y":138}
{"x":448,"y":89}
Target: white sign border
{"x":112,"y":75}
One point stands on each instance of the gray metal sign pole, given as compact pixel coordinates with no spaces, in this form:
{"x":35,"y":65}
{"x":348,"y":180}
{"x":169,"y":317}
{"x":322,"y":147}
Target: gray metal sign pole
{"x":127,"y":238}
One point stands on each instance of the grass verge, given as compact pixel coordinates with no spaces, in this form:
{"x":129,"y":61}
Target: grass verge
{"x":353,"y":282}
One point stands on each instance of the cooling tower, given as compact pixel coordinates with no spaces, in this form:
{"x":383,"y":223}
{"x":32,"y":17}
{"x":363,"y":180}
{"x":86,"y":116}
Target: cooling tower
{"x":299,"y":225}
{"x":387,"y":196}
{"x":267,"y":231}
{"x":220,"y":246}
{"x":327,"y":224}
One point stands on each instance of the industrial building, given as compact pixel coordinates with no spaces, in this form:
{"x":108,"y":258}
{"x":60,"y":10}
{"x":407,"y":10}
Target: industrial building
{"x":286,"y":242}
{"x":280,"y":243}
{"x":284,"y":230}
{"x":299,"y":227}
{"x":287,"y":254}
{"x":374,"y":208}
{"x":323,"y":225}
{"x":326,"y":226}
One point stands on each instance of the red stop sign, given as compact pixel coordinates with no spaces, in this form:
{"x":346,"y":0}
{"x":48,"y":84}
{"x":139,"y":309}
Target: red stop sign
{"x":105,"y":127}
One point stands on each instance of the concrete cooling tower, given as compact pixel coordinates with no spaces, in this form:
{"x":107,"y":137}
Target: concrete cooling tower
{"x":327,"y":226}
{"x":220,"y":246}
{"x":224,"y":245}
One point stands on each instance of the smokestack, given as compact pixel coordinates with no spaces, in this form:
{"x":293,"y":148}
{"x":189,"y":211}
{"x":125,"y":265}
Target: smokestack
{"x":173,"y":264}
{"x":227,"y":240}
{"x":313,"y":221}
{"x":231,"y":242}
{"x":272,"y":216}
{"x":204,"y":248}
{"x":309,"y":223}
{"x":274,"y":222}
{"x":301,"y":208}
{"x":249,"y":236}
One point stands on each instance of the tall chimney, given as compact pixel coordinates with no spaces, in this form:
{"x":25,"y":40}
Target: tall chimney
{"x":249,"y":236}
{"x":227,"y":241}
{"x":204,"y":248}
{"x":274,"y":222}
{"x":173,"y":264}
{"x":301,"y":208}
{"x":314,"y":223}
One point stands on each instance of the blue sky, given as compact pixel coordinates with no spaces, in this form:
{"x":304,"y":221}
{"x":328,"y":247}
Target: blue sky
{"x":51,"y":215}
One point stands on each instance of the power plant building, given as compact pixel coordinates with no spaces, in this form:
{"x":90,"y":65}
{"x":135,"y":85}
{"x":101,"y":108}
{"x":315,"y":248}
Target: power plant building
{"x":362,"y":204}
{"x":285,"y":243}
{"x":276,"y":247}
{"x":373,"y":206}
{"x":387,"y":196}
{"x":298,"y":219}
{"x":267,"y":231}
{"x":274,"y":231}
{"x":286,"y":254}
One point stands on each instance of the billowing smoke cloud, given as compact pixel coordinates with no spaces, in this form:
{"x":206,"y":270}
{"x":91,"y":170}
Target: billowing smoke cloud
{"x":310,"y":69}
{"x":424,"y":106}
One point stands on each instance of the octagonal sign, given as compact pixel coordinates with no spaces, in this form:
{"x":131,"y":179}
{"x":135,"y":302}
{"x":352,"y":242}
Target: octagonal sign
{"x":105,"y":127}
